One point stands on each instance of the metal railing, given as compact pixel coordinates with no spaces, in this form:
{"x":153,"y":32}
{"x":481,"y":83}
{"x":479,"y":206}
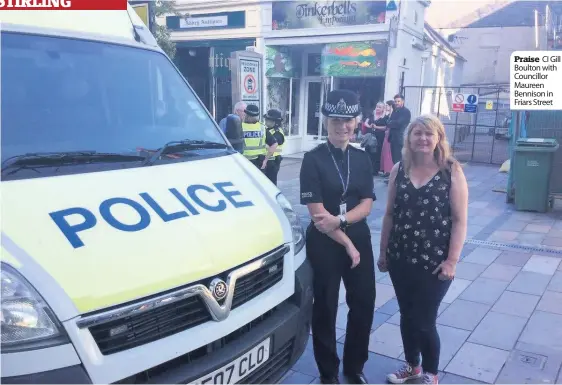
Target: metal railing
{"x":481,"y":136}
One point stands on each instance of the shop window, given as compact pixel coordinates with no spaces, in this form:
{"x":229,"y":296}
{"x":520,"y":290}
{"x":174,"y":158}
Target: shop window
{"x":369,"y":89}
{"x":294,"y":114}
{"x":283,"y":94}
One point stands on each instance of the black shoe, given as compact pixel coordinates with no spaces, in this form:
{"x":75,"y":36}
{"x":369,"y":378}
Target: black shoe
{"x":356,"y":378}
{"x":329,"y":380}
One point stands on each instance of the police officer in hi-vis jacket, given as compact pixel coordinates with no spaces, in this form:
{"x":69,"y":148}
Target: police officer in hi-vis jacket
{"x":256,"y":137}
{"x":273,"y":120}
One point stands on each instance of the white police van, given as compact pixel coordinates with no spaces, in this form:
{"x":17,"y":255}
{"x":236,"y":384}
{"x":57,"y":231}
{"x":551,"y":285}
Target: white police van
{"x":137,"y":245}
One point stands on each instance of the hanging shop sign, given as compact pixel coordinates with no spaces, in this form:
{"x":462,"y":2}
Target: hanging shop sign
{"x":207,"y":21}
{"x":355,"y":59}
{"x":318,"y":14}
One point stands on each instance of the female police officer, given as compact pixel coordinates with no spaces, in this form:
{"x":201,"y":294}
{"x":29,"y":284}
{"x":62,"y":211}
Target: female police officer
{"x":273,"y":120}
{"x":336,"y":183}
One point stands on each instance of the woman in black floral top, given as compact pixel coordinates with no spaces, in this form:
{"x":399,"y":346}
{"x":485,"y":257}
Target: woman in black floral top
{"x":423,"y":233}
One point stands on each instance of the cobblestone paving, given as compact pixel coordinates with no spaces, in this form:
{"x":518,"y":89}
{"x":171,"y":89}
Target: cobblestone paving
{"x":501,"y":321}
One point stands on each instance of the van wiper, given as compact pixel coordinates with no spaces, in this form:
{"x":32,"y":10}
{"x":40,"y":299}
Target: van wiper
{"x":45,"y":159}
{"x":182,"y":145}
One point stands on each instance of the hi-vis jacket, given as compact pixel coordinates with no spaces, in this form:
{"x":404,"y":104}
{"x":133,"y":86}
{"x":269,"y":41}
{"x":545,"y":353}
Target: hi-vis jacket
{"x":279,"y":149}
{"x":254,"y":140}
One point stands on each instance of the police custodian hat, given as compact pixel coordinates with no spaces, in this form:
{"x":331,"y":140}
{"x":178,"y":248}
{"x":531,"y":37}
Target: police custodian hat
{"x":252,"y":110}
{"x":341,"y":104}
{"x":274,"y":114}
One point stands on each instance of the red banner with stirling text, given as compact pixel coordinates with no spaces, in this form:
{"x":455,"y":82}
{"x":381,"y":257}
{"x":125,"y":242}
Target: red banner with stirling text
{"x":71,"y":5}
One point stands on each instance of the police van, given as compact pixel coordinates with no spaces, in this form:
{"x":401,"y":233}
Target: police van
{"x":137,"y":245}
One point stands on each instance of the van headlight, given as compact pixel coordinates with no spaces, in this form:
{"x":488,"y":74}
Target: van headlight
{"x":26,"y":319}
{"x":294,"y":220}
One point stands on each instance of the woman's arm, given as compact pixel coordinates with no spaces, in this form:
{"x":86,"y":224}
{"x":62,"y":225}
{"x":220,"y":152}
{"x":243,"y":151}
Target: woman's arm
{"x":327,"y":222}
{"x":361,"y":211}
{"x":317,"y":212}
{"x":387,"y":218}
{"x":312,"y":197}
{"x":459,"y":211}
{"x":271,"y":145}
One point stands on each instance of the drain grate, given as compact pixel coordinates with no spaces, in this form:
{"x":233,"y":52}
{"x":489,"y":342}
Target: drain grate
{"x":530,"y":359}
{"x":515,"y":246}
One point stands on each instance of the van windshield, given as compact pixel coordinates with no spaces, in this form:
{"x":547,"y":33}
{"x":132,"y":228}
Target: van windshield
{"x":63,"y":95}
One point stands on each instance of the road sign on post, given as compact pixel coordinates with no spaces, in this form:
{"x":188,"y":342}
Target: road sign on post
{"x":246,"y":74}
{"x":465,"y":103}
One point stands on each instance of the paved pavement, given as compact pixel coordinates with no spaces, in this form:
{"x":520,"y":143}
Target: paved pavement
{"x":501,"y":321}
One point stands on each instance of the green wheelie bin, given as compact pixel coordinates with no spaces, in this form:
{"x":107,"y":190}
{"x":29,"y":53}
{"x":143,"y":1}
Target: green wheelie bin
{"x":531,"y":172}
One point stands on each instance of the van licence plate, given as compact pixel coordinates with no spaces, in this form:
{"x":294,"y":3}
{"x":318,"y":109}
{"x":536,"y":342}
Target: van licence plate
{"x":241,"y":367}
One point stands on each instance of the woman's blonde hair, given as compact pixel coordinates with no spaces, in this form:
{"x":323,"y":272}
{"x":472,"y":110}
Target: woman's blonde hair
{"x":251,"y":119}
{"x":442,"y":152}
{"x":381,"y":104}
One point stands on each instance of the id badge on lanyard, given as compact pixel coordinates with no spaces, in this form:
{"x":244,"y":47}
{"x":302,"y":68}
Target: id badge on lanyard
{"x":343,"y":204}
{"x":343,"y":208}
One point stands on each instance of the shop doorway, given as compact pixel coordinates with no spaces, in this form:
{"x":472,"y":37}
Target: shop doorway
{"x":193,"y":63}
{"x":369,"y":89}
{"x":316,"y":90}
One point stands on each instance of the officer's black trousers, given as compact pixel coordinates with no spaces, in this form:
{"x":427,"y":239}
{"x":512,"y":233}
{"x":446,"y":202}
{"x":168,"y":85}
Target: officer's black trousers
{"x":272,"y":169}
{"x":396,"y":144}
{"x":258,"y":162}
{"x":331,"y":264}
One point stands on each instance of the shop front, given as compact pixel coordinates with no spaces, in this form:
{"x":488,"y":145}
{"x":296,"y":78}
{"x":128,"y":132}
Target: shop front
{"x":307,"y":55}
{"x":204,"y":50}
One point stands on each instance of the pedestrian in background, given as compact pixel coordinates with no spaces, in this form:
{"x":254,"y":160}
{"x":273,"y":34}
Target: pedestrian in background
{"x":386,"y":152}
{"x":423,"y":233}
{"x":369,"y":143}
{"x":397,"y":123}
{"x":231,"y":125}
{"x":336,"y":185}
{"x":377,"y":125}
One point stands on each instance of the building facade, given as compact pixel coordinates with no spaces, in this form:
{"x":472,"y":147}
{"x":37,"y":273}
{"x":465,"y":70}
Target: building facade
{"x":487,"y":32}
{"x":309,"y":48}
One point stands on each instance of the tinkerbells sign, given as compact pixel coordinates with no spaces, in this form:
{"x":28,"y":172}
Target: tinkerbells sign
{"x":316,"y":14}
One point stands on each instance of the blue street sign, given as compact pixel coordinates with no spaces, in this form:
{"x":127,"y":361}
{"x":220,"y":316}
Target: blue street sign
{"x":391,"y":6}
{"x":470,"y":108}
{"x":471,"y":99}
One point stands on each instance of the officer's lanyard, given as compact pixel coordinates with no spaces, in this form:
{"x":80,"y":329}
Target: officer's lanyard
{"x":344,"y":185}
